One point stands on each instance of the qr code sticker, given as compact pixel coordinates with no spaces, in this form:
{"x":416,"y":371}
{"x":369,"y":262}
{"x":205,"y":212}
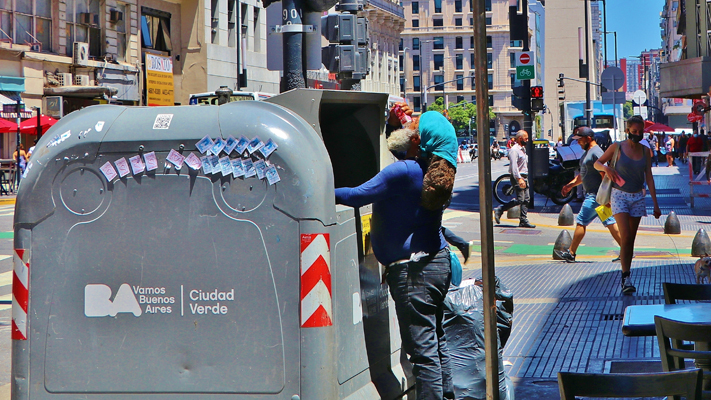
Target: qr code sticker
{"x":162,"y":121}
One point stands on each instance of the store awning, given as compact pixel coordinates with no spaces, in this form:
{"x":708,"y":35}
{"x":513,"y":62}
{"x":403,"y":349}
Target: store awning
{"x":9,"y":97}
{"x":12,"y":84}
{"x":89,"y":92}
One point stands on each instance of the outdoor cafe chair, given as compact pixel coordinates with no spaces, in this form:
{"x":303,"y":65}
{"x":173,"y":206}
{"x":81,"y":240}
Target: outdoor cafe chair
{"x":674,"y":292}
{"x":673,"y":352}
{"x":680,"y":383}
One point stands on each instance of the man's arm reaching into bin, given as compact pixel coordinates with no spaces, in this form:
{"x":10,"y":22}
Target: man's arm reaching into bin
{"x":380,"y":187}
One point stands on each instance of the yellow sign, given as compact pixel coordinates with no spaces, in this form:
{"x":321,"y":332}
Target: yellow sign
{"x":159,"y":80}
{"x":365,"y":224}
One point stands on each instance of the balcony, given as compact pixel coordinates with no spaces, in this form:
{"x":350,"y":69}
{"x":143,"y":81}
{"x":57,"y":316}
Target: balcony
{"x":388,"y":7}
{"x":688,"y":78}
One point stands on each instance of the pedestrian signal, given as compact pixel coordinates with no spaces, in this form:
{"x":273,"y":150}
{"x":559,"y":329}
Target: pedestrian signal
{"x":536,"y":92}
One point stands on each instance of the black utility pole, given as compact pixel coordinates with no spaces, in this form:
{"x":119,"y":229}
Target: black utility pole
{"x":588,"y":105}
{"x":294,"y":65}
{"x":18,"y":175}
{"x":604,"y":28}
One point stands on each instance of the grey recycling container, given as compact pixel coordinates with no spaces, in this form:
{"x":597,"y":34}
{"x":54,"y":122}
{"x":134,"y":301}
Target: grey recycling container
{"x":200,"y":283}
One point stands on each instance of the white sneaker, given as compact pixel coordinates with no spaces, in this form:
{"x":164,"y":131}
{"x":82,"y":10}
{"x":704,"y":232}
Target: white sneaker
{"x":627,"y":286}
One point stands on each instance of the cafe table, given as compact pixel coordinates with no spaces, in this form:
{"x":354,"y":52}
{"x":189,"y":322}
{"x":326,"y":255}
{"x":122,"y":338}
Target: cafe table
{"x":639,"y":321}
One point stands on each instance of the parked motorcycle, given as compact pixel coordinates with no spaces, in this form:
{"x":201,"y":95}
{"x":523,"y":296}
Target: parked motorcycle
{"x":549,"y":185}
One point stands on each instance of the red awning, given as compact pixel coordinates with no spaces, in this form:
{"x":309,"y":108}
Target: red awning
{"x":29,"y":126}
{"x":7,"y":126}
{"x":657,"y":127}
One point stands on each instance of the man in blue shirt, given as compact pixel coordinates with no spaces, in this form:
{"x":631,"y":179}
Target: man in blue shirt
{"x":407,"y":239}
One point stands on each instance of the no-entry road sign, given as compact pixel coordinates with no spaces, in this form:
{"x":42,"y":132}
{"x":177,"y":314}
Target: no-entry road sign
{"x":525,"y":66}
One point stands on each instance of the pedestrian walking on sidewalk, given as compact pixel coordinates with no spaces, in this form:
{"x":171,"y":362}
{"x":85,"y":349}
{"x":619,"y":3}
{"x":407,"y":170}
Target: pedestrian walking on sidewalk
{"x":591,"y":179}
{"x":632,"y":169}
{"x":654,"y":145}
{"x":518,"y":168}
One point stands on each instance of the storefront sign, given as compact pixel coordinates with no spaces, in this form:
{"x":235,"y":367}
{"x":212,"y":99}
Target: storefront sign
{"x":159,"y":80}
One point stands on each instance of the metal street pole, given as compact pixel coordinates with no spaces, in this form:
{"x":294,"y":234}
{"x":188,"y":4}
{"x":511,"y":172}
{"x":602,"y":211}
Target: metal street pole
{"x":604,"y":28}
{"x":404,"y":72}
{"x":615,"y":32}
{"x":423,"y":102}
{"x":294,"y":75}
{"x":588,"y":105}
{"x":527,"y":115}
{"x":485,"y":201}
{"x":17,"y":147}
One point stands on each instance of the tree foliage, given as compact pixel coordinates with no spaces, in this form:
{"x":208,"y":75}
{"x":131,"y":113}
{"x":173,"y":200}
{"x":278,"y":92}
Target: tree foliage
{"x":460,"y":113}
{"x":627,"y":109}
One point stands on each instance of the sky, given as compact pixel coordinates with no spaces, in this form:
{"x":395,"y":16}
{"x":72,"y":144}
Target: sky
{"x":633,"y":35}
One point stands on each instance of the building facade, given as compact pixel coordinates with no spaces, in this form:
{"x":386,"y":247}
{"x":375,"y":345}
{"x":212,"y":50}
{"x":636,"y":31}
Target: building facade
{"x":386,"y":21}
{"x":675,"y":109}
{"x":437,"y":56}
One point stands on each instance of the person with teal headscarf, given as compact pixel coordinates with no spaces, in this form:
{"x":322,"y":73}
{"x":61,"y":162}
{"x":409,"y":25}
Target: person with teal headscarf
{"x":437,"y":137}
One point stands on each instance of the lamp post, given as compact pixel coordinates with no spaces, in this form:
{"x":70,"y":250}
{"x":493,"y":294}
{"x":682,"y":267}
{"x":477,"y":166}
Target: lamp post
{"x":404,"y":72}
{"x":423,"y":100}
{"x":615,"y":33}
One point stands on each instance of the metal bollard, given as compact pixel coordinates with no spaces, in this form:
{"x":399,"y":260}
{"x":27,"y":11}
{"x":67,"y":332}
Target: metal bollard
{"x":701,"y":246}
{"x":672,"y":226}
{"x":562,"y":243}
{"x":566,"y":216}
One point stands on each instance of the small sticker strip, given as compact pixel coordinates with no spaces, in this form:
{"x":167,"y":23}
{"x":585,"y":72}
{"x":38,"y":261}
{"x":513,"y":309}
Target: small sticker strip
{"x":226,"y":166}
{"x":204,"y":144}
{"x":206,"y":166}
{"x":99,"y":126}
{"x":242,"y":144}
{"x":254,"y":145}
{"x":230,"y":144}
{"x":272,"y":175}
{"x":109,"y":172}
{"x":218,"y":146}
{"x":237,"y":169}
{"x":214,"y":164}
{"x":260,"y":166}
{"x":193,"y":161}
{"x":162,"y":121}
{"x":268,"y":148}
{"x":137,"y":164}
{"x":122,"y":166}
{"x":175,"y":158}
{"x":151,"y":161}
{"x":248,"y":168}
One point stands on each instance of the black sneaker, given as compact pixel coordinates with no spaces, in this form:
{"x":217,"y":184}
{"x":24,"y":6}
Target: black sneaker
{"x":627,"y":286}
{"x":498,"y":212}
{"x":565,"y":255}
{"x":466,"y":251}
{"x":526,"y":224}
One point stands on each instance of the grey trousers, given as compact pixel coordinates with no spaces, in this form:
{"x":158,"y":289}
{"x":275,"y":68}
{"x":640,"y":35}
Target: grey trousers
{"x":522,"y":199}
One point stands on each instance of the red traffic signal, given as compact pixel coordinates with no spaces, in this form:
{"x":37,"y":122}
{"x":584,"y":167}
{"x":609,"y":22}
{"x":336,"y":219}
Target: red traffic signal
{"x":536,"y":92}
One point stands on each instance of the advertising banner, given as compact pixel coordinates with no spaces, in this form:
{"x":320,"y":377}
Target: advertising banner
{"x":159,"y":80}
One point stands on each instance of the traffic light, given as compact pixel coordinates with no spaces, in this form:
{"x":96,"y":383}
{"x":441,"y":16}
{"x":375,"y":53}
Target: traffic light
{"x":537,"y":104}
{"x":520,"y":99}
{"x":536,"y":92}
{"x":561,"y":87}
{"x":347,"y":54}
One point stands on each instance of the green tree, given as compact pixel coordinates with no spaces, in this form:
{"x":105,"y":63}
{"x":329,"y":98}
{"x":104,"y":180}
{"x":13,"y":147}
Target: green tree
{"x":460,"y":113}
{"x":627,"y":109}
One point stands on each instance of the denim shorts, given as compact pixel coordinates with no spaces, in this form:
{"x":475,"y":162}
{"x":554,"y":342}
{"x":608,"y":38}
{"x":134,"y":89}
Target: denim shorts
{"x":630,"y":203}
{"x":588,"y":214}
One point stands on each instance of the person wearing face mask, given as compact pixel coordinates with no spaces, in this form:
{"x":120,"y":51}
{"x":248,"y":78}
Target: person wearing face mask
{"x":591,"y":181}
{"x":518,"y":168}
{"x":632,"y":169}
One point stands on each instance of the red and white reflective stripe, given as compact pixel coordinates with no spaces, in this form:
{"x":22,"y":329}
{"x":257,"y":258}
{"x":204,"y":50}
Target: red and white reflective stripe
{"x":20,"y":294}
{"x":316,"y":308}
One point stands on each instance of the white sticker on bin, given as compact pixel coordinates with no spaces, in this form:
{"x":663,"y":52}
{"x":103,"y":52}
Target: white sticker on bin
{"x":162,"y":121}
{"x":254,"y":145}
{"x":218,"y":146}
{"x":260,"y":166}
{"x":268,"y":148}
{"x":204,"y":144}
{"x":122,"y":166}
{"x":108,"y":170}
{"x":206,"y":166}
{"x":272,"y":175}
{"x":175,"y":158}
{"x":225,"y":166}
{"x":151,"y":161}
{"x":242,"y":144}
{"x":193,"y":161}
{"x":230,"y":144}
{"x":137,"y":164}
{"x":237,"y":169}
{"x":248,"y":168}
{"x":214,"y":164}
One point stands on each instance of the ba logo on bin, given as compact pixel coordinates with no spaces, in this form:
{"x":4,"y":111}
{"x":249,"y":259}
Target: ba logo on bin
{"x":98,"y":303}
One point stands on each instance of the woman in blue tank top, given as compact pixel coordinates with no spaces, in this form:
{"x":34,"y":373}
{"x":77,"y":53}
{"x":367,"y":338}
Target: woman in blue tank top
{"x":632,"y":169}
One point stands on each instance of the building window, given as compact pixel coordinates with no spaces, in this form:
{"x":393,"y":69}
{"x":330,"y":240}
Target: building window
{"x":400,"y":44}
{"x":438,"y":6}
{"x":416,"y":83}
{"x":471,"y":5}
{"x":472,"y":61}
{"x":438,"y":61}
{"x":471,"y":21}
{"x":516,"y":43}
{"x":471,"y":42}
{"x":490,"y":78}
{"x":457,"y":22}
{"x":438,"y":43}
{"x":473,"y":99}
{"x":489,"y":61}
{"x":231,"y":23}
{"x":415,"y":63}
{"x":415,"y":43}
{"x":256,"y":31}
{"x":155,"y":30}
{"x":460,"y":99}
{"x":439,"y":82}
{"x":459,"y":61}
{"x":416,"y":103}
{"x":415,"y":23}
{"x":401,"y":63}
{"x":438,"y":22}
{"x":457,"y":6}
{"x":83,"y":25}
{"x":460,"y":82}
{"x":402,"y":84}
{"x":125,"y":10}
{"x":215,"y":21}
{"x":458,"y":43}
{"x":29,"y":22}
{"x":512,"y":59}
{"x":415,"y":8}
{"x":488,"y":5}
{"x":471,"y":78}
{"x":489,"y":44}
{"x":491,"y":101}
{"x":513,"y":80}
{"x":488,"y":21}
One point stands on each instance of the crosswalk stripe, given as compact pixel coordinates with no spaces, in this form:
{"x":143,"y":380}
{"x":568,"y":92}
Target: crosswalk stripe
{"x":7,"y":214}
{"x":7,"y":297}
{"x":6,"y":278}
